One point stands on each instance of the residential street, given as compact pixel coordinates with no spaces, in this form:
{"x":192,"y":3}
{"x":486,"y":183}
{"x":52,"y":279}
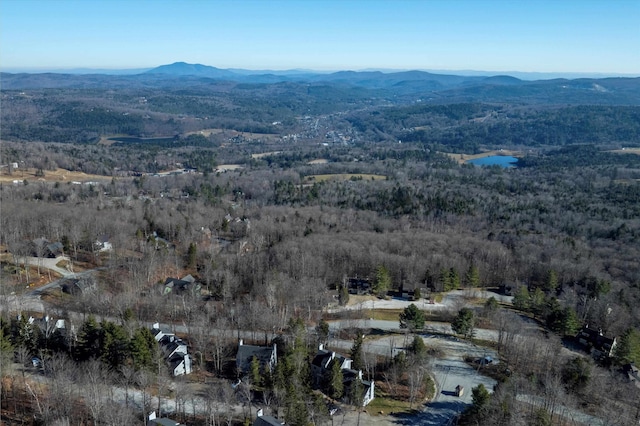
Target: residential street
{"x":448,"y":371}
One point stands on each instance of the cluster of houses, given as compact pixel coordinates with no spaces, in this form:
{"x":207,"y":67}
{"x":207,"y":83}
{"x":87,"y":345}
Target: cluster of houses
{"x":42,"y":247}
{"x":364,"y":286}
{"x":174,"y":351}
{"x":321,"y":366}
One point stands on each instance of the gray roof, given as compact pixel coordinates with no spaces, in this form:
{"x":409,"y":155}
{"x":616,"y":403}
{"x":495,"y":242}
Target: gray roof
{"x":247,"y":352}
{"x":163,"y":422}
{"x":267,"y":421}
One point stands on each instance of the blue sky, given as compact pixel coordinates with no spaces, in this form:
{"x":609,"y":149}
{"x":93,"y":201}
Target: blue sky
{"x":518,"y":35}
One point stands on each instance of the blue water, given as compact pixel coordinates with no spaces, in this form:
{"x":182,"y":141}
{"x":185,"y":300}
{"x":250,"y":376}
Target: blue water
{"x":505,"y":161}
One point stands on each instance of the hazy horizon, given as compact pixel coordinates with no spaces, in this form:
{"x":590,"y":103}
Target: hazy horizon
{"x":569,"y":37}
{"x":532,"y":75}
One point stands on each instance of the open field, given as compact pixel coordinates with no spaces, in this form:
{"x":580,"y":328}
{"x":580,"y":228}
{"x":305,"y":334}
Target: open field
{"x":227,"y":167}
{"x":626,"y":151}
{"x":463,"y":158}
{"x":232,"y":133}
{"x":319,"y":161}
{"x":344,"y":176}
{"x":265,"y":154}
{"x":58,"y":175}
{"x":207,"y":132}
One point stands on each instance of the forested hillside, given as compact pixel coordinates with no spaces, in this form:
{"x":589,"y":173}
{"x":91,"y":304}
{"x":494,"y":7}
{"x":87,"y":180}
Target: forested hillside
{"x":271,"y":197}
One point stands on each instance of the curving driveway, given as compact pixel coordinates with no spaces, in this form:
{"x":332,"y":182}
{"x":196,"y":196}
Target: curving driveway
{"x":48,"y":263}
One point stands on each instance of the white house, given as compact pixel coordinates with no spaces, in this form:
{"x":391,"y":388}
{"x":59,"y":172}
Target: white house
{"x":174,"y":351}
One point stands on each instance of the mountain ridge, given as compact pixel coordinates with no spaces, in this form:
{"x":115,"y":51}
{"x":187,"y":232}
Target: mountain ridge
{"x":522,"y":75}
{"x":404,"y":86}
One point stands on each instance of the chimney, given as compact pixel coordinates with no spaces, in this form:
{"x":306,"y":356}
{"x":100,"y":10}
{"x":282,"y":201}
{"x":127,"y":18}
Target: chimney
{"x":320,"y":347}
{"x":260,"y":413}
{"x":359,"y":374}
{"x":152,"y":416}
{"x":241,"y":342}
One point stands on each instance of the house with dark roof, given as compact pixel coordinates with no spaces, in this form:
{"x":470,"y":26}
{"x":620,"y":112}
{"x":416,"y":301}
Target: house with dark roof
{"x":359,"y":286}
{"x":596,"y":343}
{"x":174,"y":350}
{"x":171,"y":345}
{"x":55,"y":249}
{"x":267,"y":356}
{"x":53,"y":329}
{"x":184,"y":286}
{"x":366,"y":391}
{"x":102,"y":243}
{"x":163,"y":421}
{"x":263,"y":420}
{"x":322,"y":364}
{"x":76,"y":286}
{"x":41,"y":247}
{"x":160,"y":242}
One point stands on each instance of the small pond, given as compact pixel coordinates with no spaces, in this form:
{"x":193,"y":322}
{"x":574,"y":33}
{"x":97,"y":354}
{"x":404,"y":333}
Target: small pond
{"x":505,"y":161}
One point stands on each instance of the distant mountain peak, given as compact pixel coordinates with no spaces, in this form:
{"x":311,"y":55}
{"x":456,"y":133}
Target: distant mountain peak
{"x":184,"y":69}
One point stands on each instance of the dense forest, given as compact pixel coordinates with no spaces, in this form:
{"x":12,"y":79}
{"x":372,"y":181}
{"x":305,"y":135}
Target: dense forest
{"x":272,"y":197}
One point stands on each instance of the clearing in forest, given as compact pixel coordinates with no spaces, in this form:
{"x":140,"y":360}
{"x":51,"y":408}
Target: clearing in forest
{"x":58,"y":175}
{"x":232,"y":133}
{"x":344,"y":176}
{"x":265,"y":154}
{"x":626,"y":151}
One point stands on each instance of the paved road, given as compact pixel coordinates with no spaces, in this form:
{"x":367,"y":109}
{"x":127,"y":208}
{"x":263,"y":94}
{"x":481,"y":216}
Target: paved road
{"x":31,"y":301}
{"x":48,"y":263}
{"x":448,"y":371}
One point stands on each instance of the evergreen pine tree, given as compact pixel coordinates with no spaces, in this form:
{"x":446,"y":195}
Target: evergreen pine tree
{"x":336,"y":381}
{"x":88,"y":345}
{"x":256,"y":377}
{"x":522,"y":299}
{"x":383,"y":281}
{"x":142,"y":348}
{"x":192,"y":256}
{"x":472,"y":278}
{"x":357,"y":359}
